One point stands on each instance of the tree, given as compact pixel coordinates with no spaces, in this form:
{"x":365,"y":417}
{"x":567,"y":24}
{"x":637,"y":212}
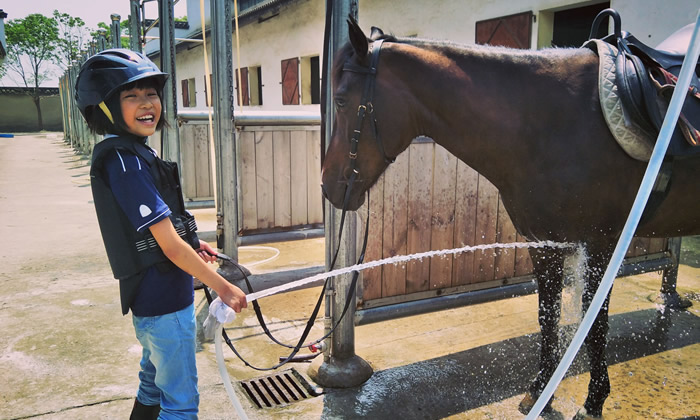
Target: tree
{"x":73,"y":37}
{"x":32,"y":45}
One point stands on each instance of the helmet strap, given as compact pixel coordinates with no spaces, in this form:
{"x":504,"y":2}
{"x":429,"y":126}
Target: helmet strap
{"x":106,"y":110}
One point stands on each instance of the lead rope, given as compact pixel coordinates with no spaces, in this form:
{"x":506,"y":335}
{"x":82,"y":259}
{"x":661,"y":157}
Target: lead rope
{"x":314,"y":314}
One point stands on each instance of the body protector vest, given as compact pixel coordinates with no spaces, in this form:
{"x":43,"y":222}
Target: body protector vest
{"x":131,"y":252}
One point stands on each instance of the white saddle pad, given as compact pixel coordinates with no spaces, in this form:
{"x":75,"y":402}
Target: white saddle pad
{"x":629,"y":136}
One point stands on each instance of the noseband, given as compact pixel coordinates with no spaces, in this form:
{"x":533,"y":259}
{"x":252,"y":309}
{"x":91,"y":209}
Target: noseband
{"x":366,"y":107}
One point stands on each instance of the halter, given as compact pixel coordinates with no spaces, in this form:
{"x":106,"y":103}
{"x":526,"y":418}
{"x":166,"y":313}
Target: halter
{"x":365,"y":107}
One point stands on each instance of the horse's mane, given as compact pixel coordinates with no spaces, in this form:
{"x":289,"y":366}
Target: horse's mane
{"x":523,"y":56}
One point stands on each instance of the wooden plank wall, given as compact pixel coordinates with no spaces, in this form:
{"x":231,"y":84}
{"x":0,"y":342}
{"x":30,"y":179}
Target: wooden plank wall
{"x":280,"y":178}
{"x":429,"y":200}
{"x":279,"y":175}
{"x":196,"y":162}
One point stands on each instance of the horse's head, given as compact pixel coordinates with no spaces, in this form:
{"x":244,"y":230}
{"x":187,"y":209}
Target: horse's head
{"x":356,"y":154}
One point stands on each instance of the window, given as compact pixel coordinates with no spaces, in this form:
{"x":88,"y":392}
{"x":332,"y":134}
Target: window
{"x":255,"y":85}
{"x":310,"y":81}
{"x":189,"y":94}
{"x":250,"y":86}
{"x":290,"y":81}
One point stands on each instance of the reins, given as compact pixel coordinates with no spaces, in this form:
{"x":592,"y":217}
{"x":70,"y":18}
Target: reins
{"x":365,"y":106}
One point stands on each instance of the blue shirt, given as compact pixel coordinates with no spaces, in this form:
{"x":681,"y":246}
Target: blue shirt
{"x":164,"y":288}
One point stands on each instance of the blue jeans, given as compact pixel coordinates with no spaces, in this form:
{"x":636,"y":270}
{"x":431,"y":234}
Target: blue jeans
{"x":168,"y":370}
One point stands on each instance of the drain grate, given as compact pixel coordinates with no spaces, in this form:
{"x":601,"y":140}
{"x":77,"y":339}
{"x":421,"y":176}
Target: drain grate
{"x":279,"y":389}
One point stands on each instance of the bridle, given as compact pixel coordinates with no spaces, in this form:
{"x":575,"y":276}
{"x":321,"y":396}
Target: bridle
{"x":365,"y":108}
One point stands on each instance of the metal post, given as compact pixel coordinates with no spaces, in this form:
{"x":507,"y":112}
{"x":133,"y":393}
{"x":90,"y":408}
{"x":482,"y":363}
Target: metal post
{"x":73,"y":108}
{"x":101,"y":39}
{"x":341,"y":367}
{"x":170,"y":138}
{"x":135,"y":26}
{"x":116,"y":30}
{"x":224,"y":131}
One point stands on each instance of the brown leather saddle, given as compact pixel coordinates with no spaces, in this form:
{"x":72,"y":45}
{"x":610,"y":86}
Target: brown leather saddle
{"x":645,"y":78}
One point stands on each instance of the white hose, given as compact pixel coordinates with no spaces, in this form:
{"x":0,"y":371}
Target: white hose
{"x":635,"y":215}
{"x":219,"y":314}
{"x":261,"y":248}
{"x":224,"y":374}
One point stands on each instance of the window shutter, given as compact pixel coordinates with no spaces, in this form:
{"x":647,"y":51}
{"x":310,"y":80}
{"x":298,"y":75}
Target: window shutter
{"x":512,"y":31}
{"x":185,"y":93}
{"x":206,"y":92}
{"x":290,"y":81}
{"x":244,"y":87}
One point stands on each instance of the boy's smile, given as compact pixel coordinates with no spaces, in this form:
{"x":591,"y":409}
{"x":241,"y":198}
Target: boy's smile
{"x":141,"y":110}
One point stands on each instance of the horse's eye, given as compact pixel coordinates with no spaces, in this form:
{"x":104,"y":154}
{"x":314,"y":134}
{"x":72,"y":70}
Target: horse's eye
{"x":339,"y":102}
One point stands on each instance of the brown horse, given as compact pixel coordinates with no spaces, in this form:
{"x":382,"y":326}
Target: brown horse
{"x":529,"y":121}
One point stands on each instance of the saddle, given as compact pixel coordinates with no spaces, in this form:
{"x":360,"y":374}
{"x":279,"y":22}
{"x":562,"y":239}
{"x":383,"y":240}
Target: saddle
{"x":644,"y":79}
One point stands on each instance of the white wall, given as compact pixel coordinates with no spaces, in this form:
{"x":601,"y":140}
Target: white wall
{"x":297,"y":31}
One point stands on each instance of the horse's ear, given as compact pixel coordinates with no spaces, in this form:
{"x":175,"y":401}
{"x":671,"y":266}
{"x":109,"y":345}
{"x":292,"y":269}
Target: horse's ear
{"x":357,"y":38}
{"x":376,"y":33}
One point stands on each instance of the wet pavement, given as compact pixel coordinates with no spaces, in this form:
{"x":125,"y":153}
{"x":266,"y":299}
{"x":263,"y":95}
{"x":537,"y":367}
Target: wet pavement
{"x":66,"y":352}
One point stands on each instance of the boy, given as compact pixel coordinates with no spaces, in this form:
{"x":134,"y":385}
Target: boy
{"x":149,"y":236}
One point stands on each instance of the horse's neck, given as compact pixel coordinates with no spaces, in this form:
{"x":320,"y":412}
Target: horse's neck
{"x":481,"y":101}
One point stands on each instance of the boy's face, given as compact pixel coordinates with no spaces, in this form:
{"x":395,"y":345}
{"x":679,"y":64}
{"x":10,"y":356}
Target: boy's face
{"x":141,"y":110}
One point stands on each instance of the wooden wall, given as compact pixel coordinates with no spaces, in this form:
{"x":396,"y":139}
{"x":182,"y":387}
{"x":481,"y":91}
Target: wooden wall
{"x":279,"y":175}
{"x":196,"y":162}
{"x":429,"y":200}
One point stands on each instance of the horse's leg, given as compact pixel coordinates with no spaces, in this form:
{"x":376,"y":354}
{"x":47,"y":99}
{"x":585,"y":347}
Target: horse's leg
{"x":599,"y":386}
{"x":548,"y":264}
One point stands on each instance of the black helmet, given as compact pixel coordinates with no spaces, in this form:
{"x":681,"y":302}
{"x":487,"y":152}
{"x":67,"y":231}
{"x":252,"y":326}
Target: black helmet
{"x":104,"y":73}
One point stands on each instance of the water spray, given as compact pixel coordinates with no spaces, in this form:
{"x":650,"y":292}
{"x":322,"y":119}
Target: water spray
{"x":635,"y":215}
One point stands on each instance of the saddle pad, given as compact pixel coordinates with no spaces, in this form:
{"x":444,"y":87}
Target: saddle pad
{"x":633,"y":140}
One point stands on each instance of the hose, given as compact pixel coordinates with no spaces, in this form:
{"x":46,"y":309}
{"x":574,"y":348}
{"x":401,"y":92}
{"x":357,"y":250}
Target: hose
{"x":261,"y":248}
{"x":224,"y":374}
{"x":633,"y":218}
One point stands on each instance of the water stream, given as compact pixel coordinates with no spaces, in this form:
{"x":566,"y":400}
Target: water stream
{"x":402,"y":259}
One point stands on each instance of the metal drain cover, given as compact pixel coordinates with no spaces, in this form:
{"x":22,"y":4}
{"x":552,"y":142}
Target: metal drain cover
{"x":279,"y":389}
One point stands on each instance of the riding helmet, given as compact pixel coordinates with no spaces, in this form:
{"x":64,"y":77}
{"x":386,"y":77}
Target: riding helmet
{"x":105,"y":72}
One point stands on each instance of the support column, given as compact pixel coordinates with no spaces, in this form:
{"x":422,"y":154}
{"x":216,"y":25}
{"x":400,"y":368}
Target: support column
{"x":224,"y":129}
{"x":101,"y":39}
{"x":170,"y":138}
{"x":135,"y":26}
{"x":668,"y":295}
{"x":341,"y":367}
{"x":116,"y":30}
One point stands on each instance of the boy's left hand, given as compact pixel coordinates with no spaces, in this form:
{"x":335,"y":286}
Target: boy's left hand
{"x":206,"y":252}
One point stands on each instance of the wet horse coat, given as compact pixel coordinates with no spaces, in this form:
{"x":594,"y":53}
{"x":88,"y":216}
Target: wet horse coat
{"x":530,"y":122}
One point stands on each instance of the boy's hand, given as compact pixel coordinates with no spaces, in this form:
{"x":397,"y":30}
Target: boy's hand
{"x":206,"y":252}
{"x":233,"y":297}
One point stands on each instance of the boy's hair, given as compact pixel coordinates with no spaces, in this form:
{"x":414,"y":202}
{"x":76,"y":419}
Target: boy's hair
{"x":98,"y":122}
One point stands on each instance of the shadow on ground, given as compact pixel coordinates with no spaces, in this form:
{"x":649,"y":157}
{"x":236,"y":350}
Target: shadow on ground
{"x":467,"y":380}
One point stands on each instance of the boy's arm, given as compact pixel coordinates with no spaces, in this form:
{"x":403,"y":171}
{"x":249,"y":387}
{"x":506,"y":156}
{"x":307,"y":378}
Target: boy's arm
{"x":183,"y":256}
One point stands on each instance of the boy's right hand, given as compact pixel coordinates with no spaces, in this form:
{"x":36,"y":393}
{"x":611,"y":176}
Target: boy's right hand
{"x":233,"y":296}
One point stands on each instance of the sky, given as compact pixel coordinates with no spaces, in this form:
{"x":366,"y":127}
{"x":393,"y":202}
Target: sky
{"x":91,"y":11}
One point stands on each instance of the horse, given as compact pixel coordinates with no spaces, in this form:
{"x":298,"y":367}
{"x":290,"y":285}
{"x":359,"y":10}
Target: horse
{"x":531,"y":123}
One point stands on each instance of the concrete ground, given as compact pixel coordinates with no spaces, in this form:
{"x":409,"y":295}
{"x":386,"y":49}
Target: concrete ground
{"x":66,"y":352}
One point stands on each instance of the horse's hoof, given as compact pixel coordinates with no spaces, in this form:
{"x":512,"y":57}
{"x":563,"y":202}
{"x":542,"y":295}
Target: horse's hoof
{"x":582,"y":414}
{"x":529,"y":401}
{"x":526,"y":404}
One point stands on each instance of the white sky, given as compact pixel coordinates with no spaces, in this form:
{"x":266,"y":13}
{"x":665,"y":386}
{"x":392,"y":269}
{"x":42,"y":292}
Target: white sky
{"x":91,"y":11}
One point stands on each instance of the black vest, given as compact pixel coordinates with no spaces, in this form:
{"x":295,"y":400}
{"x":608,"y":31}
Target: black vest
{"x":131,"y":252}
